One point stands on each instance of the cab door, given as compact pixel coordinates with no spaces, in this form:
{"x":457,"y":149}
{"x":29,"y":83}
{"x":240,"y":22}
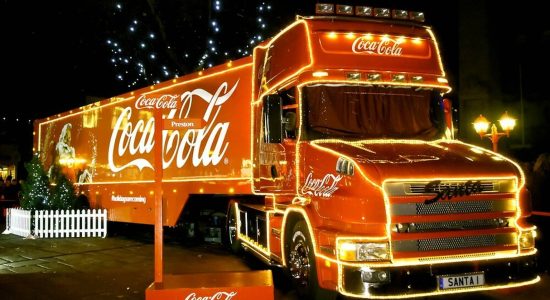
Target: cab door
{"x":276,"y":146}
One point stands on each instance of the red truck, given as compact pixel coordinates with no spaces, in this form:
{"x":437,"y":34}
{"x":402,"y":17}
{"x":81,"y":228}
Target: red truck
{"x":332,"y":147}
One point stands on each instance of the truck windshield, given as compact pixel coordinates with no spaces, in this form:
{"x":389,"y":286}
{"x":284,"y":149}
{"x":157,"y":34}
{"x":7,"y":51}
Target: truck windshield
{"x":371,"y":112}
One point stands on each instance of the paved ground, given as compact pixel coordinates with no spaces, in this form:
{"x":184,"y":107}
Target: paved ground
{"x":121,"y":267}
{"x":117,"y":267}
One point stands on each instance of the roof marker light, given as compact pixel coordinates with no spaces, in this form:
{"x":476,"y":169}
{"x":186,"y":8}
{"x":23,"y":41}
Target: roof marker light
{"x":417,"y":16}
{"x":400,"y":14}
{"x":344,"y":10}
{"x":363,"y":11}
{"x":417,"y":79}
{"x":398,"y":78}
{"x":374,"y":76}
{"x":382,"y":12}
{"x":353,"y":76}
{"x":324,"y":9}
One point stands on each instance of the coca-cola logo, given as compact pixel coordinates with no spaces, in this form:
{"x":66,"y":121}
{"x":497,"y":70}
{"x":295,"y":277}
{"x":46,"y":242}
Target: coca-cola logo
{"x":216,"y":296}
{"x":385,"y":46}
{"x":322,"y":187}
{"x":163,"y":101}
{"x":205,"y":146}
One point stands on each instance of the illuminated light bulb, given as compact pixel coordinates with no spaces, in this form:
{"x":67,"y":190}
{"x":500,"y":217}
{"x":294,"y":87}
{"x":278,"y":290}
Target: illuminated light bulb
{"x":506,"y":122}
{"x":385,"y":38}
{"x":174,"y":191}
{"x":332,"y":35}
{"x":481,"y":125}
{"x":231,"y":190}
{"x":417,"y":41}
{"x":350,"y":35}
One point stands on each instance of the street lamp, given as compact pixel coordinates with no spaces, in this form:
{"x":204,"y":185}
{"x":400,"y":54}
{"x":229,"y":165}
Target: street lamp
{"x":481,"y":125}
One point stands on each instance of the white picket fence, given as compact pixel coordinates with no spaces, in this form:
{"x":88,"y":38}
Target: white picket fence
{"x":57,"y":224}
{"x":18,"y":222}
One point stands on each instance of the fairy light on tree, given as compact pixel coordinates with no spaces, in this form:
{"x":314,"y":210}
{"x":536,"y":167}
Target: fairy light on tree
{"x":139,"y":56}
{"x":148,"y":44}
{"x":35,"y":191}
{"x":222,"y":45}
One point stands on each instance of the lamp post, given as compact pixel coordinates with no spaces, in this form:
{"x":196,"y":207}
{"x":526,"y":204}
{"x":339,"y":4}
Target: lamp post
{"x":481,"y":125}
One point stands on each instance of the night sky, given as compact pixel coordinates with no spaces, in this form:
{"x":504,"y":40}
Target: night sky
{"x":64,"y":53}
{"x":60,"y":51}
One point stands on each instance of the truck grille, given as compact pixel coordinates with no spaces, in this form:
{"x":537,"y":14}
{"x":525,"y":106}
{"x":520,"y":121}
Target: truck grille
{"x":452,"y":225}
{"x":448,"y":243}
{"x":482,"y":216}
{"x":458,"y":207}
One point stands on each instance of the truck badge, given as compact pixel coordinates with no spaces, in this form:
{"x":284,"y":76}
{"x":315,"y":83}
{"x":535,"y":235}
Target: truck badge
{"x":446,"y":192}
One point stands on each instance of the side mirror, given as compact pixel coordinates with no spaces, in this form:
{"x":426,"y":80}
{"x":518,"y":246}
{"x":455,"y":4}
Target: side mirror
{"x":273,"y":117}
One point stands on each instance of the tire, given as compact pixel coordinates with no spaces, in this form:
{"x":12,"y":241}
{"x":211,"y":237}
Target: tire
{"x":301,"y":267}
{"x":231,"y":228}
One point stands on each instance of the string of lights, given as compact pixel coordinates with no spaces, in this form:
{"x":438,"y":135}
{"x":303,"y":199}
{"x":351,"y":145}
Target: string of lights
{"x":147,"y":49}
{"x":135,"y":50}
{"x":217,"y":38}
{"x":10,"y":119}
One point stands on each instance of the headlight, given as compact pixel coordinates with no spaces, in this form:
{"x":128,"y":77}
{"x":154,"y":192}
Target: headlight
{"x":355,"y":251}
{"x":527,"y":239}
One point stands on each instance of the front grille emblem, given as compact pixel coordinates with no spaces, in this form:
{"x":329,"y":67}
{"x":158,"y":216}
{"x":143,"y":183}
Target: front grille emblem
{"x":448,"y":191}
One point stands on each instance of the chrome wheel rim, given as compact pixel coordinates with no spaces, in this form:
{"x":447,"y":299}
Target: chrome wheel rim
{"x":299,"y":263}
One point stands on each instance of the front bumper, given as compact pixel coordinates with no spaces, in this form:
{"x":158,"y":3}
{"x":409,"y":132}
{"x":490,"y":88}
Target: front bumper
{"x":420,"y":281}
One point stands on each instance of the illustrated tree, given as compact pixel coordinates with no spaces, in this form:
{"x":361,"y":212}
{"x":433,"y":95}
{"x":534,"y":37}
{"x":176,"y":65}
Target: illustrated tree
{"x":36,"y":189}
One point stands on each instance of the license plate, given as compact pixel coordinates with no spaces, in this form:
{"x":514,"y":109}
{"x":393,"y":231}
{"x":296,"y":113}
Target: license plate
{"x":460,"y":281}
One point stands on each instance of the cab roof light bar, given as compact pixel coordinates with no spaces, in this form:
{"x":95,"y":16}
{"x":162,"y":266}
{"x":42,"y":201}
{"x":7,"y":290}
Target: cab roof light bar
{"x":368,"y":11}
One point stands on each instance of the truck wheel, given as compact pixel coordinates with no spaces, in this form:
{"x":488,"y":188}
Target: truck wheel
{"x":301,"y":264}
{"x":233,"y":242}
